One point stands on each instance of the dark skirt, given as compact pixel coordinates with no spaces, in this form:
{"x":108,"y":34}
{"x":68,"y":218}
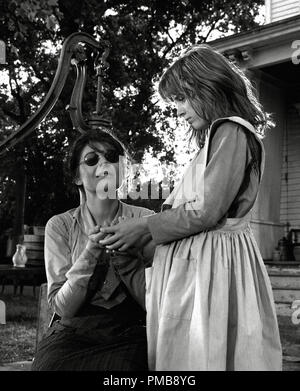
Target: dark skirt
{"x":96,"y":340}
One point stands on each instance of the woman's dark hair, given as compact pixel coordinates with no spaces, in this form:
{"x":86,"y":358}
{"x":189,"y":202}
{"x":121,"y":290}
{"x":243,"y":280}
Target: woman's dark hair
{"x":214,"y":86}
{"x":89,"y":138}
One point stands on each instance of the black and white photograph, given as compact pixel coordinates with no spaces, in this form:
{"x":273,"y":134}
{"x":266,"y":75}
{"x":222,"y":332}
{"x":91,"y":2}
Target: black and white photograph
{"x":149,"y":189}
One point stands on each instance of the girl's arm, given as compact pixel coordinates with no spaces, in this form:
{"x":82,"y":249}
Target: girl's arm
{"x":223,"y":177}
{"x":224,"y":174}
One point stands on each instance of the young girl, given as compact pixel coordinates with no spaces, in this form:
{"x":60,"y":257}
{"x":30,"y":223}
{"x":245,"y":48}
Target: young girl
{"x":209,"y":299}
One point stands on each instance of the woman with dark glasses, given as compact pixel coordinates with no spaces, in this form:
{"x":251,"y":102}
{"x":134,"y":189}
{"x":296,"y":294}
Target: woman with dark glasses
{"x":99,"y":296}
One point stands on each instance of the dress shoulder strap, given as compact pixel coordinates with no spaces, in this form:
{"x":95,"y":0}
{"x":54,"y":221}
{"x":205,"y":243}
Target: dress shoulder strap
{"x":246,"y":125}
{"x":241,"y":121}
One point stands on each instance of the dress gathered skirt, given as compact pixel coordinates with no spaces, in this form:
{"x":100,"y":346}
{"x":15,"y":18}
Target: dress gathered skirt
{"x":214,"y":309}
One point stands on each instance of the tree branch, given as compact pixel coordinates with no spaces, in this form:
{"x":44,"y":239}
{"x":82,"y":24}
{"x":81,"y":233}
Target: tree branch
{"x":183,"y":35}
{"x":40,"y":76}
{"x":16,"y":93}
{"x":12,"y":115}
{"x":210,"y":30}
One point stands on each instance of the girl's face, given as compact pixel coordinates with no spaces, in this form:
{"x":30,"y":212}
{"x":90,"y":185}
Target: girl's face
{"x":98,"y":170}
{"x":185,"y":110}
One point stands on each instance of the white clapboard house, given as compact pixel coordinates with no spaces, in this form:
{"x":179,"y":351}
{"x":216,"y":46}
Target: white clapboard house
{"x":271,"y":56}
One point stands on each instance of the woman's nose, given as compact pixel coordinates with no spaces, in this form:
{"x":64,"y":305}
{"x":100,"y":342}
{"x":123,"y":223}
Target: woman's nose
{"x":98,"y":169}
{"x":100,"y":162}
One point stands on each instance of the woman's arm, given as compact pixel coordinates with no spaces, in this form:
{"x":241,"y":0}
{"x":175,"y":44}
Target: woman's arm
{"x":67,"y":283}
{"x":131,"y":269}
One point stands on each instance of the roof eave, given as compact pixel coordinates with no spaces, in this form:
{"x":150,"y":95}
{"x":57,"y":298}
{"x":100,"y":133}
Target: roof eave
{"x":261,"y":36}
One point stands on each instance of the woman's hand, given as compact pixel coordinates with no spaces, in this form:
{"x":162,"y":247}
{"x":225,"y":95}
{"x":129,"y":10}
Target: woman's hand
{"x":94,"y":236}
{"x":125,"y":234}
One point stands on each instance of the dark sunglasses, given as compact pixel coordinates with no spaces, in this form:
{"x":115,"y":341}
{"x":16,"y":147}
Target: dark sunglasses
{"x":92,"y":158}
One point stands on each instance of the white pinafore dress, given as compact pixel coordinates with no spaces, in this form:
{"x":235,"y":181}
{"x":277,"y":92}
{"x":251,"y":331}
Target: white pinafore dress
{"x":209,"y":299}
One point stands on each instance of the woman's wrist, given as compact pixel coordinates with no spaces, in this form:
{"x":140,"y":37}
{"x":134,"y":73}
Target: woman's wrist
{"x":93,"y":246}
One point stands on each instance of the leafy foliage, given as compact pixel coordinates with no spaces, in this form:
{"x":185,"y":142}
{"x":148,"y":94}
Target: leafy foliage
{"x":144,"y":36}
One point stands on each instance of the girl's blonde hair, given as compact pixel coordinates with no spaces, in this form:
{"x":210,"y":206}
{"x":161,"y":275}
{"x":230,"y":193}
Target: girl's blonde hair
{"x":215,"y":88}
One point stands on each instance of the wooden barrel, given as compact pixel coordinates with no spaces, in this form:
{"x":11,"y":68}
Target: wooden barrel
{"x":34,"y":249}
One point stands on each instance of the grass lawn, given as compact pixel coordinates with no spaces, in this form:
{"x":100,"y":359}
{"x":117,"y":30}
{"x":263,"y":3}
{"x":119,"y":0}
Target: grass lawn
{"x":18,"y":335}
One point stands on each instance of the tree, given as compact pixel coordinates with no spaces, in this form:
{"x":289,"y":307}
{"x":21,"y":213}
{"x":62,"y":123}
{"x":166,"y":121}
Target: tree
{"x":144,"y":36}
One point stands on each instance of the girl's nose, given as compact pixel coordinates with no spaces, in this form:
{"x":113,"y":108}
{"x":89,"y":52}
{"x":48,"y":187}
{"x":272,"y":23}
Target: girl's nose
{"x":180,"y":109}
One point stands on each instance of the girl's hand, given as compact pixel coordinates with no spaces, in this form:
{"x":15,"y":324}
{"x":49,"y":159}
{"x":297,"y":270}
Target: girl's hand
{"x":125,"y":234}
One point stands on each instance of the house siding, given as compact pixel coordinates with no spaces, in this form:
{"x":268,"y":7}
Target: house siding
{"x":290,"y":174}
{"x":266,"y":224}
{"x":281,"y":9}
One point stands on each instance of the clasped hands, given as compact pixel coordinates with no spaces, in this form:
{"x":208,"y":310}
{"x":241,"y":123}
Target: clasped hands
{"x":124,"y":234}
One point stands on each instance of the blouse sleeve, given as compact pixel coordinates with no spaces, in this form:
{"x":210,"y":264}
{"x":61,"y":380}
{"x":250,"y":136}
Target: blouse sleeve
{"x":223,"y":177}
{"x":67,"y":282}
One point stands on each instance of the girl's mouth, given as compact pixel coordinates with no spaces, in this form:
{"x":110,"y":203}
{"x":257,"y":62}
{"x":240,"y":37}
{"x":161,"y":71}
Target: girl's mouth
{"x":103,"y":174}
